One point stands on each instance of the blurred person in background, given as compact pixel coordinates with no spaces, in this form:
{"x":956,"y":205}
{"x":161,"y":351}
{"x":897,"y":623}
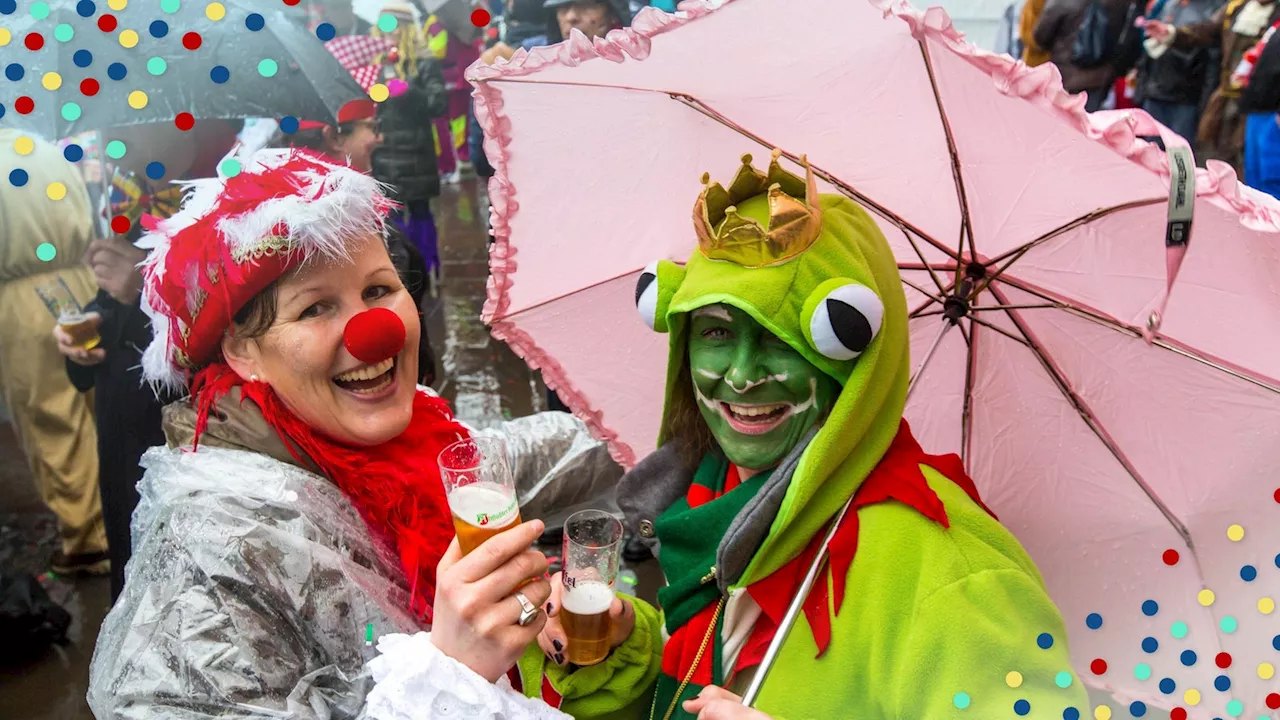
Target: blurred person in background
{"x":1175,"y":77}
{"x":128,"y":412}
{"x":1032,"y":54}
{"x":593,"y":18}
{"x":1224,"y":36}
{"x":53,"y":420}
{"x":454,"y":55}
{"x":1057,"y":31}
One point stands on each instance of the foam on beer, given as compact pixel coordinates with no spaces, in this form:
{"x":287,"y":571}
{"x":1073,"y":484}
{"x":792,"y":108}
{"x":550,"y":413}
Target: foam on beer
{"x":587,"y":598}
{"x":484,"y":505}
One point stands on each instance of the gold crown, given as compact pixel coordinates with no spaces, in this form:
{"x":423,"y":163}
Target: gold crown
{"x":795,"y":218}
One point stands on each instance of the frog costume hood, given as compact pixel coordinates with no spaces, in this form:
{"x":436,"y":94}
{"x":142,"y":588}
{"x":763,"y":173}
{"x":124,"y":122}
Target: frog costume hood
{"x":815,"y":271}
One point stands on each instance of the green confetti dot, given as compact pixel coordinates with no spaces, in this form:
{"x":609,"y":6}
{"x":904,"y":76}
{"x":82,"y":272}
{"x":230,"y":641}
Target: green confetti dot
{"x":116,"y":149}
{"x":1228,"y":624}
{"x":1235,"y":708}
{"x":170,"y":6}
{"x":1062,"y":679}
{"x":229,"y":168}
{"x":64,"y":33}
{"x":157,"y":66}
{"x":46,"y":251}
{"x":268,"y":68}
{"x":387,"y":23}
{"x":40,"y":10}
{"x":70,"y":112}
{"x":1178,"y":630}
{"x":1142,"y":671}
{"x":962,"y":700}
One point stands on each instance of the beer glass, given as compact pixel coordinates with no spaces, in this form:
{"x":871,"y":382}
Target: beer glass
{"x":592,"y":541}
{"x":481,"y":490}
{"x":71,"y":317}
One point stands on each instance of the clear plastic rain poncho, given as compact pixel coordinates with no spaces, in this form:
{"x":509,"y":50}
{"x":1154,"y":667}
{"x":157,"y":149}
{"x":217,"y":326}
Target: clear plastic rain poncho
{"x":256,"y":591}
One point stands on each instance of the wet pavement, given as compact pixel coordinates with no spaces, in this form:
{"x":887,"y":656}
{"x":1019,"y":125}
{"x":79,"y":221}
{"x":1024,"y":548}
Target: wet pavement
{"x":483,"y":379}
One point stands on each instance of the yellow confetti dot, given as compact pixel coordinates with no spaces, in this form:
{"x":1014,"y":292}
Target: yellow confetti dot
{"x":379,"y":92}
{"x":128,"y":38}
{"x":5,"y":37}
{"x":215,"y":11}
{"x":1266,"y":671}
{"x":1191,"y":697}
{"x":24,"y":145}
{"x":51,"y":81}
{"x":1266,"y":606}
{"x":1235,"y":533}
{"x":137,"y":99}
{"x":56,"y":191}
{"x":1013,"y":679}
{"x":1102,"y":712}
{"x":1206,"y":597}
{"x":117,"y":5}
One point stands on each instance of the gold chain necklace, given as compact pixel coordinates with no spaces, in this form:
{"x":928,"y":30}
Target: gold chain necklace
{"x":706,"y":639}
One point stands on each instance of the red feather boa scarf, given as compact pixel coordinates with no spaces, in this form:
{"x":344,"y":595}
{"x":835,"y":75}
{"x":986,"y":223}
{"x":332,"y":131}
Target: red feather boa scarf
{"x":395,"y":486}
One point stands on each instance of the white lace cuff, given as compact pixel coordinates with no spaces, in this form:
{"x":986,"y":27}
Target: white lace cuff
{"x":415,"y":681}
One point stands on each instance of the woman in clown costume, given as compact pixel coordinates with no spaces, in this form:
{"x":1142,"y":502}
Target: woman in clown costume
{"x":788,"y":374}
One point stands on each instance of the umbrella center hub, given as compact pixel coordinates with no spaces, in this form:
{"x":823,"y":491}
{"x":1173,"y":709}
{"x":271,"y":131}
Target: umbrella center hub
{"x":957,"y":304}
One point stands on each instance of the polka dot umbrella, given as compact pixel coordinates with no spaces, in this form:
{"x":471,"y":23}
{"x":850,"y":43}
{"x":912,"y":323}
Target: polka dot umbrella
{"x":71,"y":66}
{"x":1113,"y":391}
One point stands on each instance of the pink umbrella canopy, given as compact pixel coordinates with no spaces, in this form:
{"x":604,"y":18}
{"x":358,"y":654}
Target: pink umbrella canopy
{"x":1120,"y":415}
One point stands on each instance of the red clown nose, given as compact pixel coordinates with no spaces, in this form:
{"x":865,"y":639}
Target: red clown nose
{"x":374,"y":335}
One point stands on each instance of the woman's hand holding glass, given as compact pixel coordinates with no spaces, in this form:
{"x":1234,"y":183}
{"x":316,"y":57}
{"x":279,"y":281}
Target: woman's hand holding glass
{"x":553,"y":639}
{"x":477,"y":613}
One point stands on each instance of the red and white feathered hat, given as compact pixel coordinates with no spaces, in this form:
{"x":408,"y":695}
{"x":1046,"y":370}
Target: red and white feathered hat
{"x":236,"y":235}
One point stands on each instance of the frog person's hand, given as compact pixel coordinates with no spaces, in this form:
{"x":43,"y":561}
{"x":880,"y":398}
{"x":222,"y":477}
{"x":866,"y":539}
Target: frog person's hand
{"x":553,"y":640}
{"x":716,"y":703}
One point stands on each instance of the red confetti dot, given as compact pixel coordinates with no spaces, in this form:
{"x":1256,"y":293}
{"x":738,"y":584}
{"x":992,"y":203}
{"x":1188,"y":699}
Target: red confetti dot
{"x":1170,"y":557}
{"x":191,"y":41}
{"x":1223,"y":660}
{"x":1098,"y":666}
{"x":185,"y":121}
{"x":480,"y":17}
{"x":89,"y":87}
{"x":1273,"y":701}
{"x":290,"y":3}
{"x":1277,"y":495}
{"x":107,"y":23}
{"x":120,"y":224}
{"x":34,"y":41}
{"x":1178,"y":714}
{"x":24,"y":105}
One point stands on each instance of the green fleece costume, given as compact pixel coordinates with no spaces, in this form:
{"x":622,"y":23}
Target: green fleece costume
{"x":942,"y":602}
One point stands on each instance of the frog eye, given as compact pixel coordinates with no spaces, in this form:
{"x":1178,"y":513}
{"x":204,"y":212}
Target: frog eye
{"x":647,"y":295}
{"x":844,"y":319}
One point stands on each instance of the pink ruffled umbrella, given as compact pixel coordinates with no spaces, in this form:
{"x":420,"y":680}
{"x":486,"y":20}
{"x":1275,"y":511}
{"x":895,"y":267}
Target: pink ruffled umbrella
{"x":1122,"y":417}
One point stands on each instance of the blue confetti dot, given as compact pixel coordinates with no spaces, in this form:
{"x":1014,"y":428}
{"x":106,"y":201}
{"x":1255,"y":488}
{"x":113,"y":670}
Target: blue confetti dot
{"x":1222,"y":683}
{"x":1150,"y":644}
{"x":1167,"y":686}
{"x":14,"y":72}
{"x":159,"y":28}
{"x":1278,"y":560}
{"x":18,"y":177}
{"x":1094,"y":621}
{"x":325,"y":32}
{"x":1137,"y":709}
{"x":1022,"y":707}
{"x":1248,"y":573}
{"x":1150,"y":608}
{"x":155,"y":170}
{"x":288,"y":124}
{"x":73,"y":153}
{"x":1275,"y":642}
{"x":8,"y":7}
{"x":1045,"y":641}
{"x":117,"y":71}
{"x":254,"y":22}
{"x":1188,"y":657}
{"x":219,"y":74}
{"x":86,"y":8}
{"x":82,"y":58}
{"x":1,"y":110}
{"x":1071,"y":714}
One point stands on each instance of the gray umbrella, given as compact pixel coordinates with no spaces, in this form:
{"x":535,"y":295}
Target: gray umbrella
{"x":255,"y":61}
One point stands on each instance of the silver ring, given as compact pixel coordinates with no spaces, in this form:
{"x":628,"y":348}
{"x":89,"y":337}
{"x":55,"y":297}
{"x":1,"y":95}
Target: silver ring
{"x":528,"y":611}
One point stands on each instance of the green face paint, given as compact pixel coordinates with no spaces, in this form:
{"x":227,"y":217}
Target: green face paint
{"x":757,"y":394}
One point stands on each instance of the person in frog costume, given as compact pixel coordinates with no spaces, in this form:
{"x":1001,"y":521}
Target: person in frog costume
{"x":787,"y":377}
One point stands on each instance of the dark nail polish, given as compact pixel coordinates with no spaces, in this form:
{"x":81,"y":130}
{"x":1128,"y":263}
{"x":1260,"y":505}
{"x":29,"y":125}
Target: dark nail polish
{"x":550,"y":607}
{"x":557,"y":644}
{"x":559,"y":659}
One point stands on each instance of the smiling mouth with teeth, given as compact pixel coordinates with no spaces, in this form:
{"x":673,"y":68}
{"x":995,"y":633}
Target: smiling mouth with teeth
{"x":368,"y":379}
